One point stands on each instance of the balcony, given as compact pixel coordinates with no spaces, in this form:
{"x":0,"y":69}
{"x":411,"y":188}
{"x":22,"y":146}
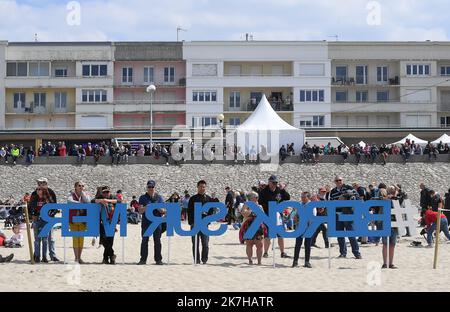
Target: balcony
{"x":129,"y":106}
{"x":381,"y":107}
{"x":58,"y":82}
{"x":362,"y":81}
{"x":49,"y":109}
{"x":181,"y":82}
{"x":251,"y":104}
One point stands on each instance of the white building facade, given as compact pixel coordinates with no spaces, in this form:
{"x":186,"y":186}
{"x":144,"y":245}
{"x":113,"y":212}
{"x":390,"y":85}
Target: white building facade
{"x":390,"y":84}
{"x":230,"y":78}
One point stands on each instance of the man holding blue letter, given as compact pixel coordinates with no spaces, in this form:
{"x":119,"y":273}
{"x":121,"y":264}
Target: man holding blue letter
{"x":151,"y":197}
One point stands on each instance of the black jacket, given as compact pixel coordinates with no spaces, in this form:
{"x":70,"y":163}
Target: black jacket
{"x":197,"y":198}
{"x":266,"y":196}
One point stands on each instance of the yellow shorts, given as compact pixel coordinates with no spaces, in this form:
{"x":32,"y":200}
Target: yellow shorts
{"x":78,"y":242}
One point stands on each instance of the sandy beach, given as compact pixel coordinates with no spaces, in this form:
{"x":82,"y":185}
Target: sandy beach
{"x":227,"y":268}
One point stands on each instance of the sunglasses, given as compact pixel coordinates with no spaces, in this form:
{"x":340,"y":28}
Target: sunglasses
{"x":42,"y":183}
{"x":337,"y":180}
{"x":150,"y":187}
{"x":80,"y":185}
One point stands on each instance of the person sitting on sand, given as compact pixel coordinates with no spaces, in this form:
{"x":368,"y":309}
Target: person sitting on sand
{"x":16,"y":241}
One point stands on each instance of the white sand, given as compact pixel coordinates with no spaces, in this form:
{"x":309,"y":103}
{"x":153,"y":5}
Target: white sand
{"x":227,"y":269}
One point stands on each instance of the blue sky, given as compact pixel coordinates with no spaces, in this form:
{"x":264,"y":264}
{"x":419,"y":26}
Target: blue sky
{"x":152,"y":20}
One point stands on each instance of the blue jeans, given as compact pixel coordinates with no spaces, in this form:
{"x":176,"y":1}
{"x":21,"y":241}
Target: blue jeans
{"x":37,"y":227}
{"x":30,"y":158}
{"x":432,"y":228}
{"x":156,"y":241}
{"x":346,"y":226}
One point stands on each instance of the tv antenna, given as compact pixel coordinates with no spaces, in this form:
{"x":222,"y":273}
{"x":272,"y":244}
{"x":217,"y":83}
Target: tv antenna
{"x":178,"y":32}
{"x":336,"y":37}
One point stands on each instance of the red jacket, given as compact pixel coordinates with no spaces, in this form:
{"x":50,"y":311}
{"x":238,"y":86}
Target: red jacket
{"x":431,"y":217}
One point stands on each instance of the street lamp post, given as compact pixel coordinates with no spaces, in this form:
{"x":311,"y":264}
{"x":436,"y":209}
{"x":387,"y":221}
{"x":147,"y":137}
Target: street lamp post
{"x":151,"y":89}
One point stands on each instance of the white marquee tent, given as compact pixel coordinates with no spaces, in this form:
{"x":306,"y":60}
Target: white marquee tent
{"x":266,"y":127}
{"x":412,"y":138}
{"x":445,"y":139}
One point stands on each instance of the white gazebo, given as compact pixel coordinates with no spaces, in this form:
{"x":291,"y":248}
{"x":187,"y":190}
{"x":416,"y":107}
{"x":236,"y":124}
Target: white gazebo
{"x":411,"y":138}
{"x":445,"y":139}
{"x":266,"y":127}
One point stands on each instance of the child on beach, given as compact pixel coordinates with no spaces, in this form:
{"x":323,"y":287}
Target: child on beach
{"x":16,"y":241}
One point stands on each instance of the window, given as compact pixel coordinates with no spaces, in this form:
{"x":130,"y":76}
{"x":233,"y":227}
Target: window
{"x":383,"y":96}
{"x":361,"y":74}
{"x":341,"y":73}
{"x":19,"y":100}
{"x":305,"y":123}
{"x":314,"y":121}
{"x":204,"y":121}
{"x":60,"y":100}
{"x":127,"y":75}
{"x":445,"y":121}
{"x":235,"y":70}
{"x":17,"y":69}
{"x":61,"y":72}
{"x":445,"y":70}
{"x":277,"y":70}
{"x":40,"y":100}
{"x":382,"y":74}
{"x":318,"y":121}
{"x":39,"y":69}
{"x":149,"y":75}
{"x":169,"y":74}
{"x":236,"y":121}
{"x":312,"y":70}
{"x":341,"y":96}
{"x":417,"y":70}
{"x":235,"y":99}
{"x":362,"y":96}
{"x":312,"y":95}
{"x":95,"y":70}
{"x":94,"y":96}
{"x":204,"y":96}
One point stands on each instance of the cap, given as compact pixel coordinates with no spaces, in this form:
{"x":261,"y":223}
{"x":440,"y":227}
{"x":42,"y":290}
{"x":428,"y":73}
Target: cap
{"x":151,"y":183}
{"x":42,"y":180}
{"x":105,"y":188}
{"x":273,"y":179}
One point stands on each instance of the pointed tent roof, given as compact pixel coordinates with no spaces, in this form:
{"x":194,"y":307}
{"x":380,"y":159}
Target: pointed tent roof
{"x":362,"y":144}
{"x":411,"y":138}
{"x":444,"y":138}
{"x":265,"y":118}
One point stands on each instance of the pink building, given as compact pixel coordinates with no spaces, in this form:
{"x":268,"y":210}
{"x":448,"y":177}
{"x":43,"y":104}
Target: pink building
{"x":138,"y":65}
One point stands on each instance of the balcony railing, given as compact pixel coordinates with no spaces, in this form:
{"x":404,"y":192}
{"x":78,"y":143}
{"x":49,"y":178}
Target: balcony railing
{"x":181,"y":82}
{"x":362,"y":80}
{"x":147,"y":102}
{"x":258,"y":75}
{"x":252,"y":104}
{"x":49,"y":108}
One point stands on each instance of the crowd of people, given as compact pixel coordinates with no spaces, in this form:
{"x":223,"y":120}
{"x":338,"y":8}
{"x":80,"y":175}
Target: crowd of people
{"x":370,"y":153}
{"x":239,"y":215}
{"x":120,"y":152}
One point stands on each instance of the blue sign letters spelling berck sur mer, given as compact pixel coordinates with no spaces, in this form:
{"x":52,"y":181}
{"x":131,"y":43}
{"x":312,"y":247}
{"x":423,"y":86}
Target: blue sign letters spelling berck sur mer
{"x":308,"y":223}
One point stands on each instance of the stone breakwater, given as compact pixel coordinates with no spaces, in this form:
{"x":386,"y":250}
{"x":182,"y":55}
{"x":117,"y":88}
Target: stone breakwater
{"x":131,"y":179}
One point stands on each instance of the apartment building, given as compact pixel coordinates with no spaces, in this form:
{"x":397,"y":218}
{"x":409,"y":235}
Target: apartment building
{"x":2,"y":83}
{"x":230,"y":78}
{"x":390,"y":84}
{"x":102,"y":85}
{"x":138,"y":65}
{"x":59,"y":85}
